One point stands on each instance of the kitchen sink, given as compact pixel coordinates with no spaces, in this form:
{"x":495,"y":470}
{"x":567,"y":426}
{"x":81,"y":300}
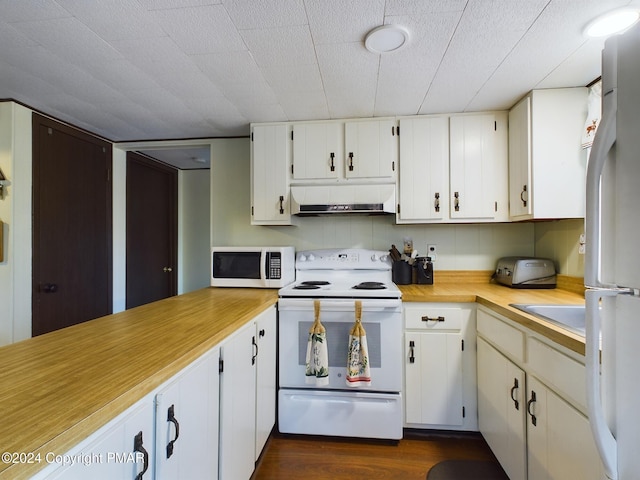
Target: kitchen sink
{"x":570,"y":317}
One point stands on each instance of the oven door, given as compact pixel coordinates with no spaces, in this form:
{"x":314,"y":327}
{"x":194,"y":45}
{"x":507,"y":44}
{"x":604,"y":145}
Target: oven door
{"x":382,"y":321}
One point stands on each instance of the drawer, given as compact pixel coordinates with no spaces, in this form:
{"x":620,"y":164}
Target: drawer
{"x":508,"y":339}
{"x":563,"y":374}
{"x":428,"y":317}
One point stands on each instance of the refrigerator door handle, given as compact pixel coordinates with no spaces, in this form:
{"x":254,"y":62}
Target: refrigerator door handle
{"x":604,"y":439}
{"x":602,"y":144}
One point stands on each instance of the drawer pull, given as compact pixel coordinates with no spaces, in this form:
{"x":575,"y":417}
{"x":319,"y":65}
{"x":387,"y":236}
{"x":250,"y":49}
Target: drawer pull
{"x":426,"y":318}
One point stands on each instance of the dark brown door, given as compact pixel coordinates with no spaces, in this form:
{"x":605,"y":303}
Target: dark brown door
{"x":151,"y":230}
{"x":72,"y":226}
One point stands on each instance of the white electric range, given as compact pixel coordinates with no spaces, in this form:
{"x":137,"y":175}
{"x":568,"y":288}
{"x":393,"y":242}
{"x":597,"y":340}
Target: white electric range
{"x":337,"y":278}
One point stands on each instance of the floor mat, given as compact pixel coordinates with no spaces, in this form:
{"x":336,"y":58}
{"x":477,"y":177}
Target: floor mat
{"x":466,"y":470}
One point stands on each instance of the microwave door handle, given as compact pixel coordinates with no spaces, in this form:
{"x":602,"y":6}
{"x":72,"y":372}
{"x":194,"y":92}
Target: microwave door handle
{"x":602,"y":144}
{"x":264,"y":260}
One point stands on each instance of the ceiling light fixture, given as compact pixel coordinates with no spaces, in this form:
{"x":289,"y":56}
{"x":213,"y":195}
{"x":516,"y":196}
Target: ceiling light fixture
{"x":386,"y":38}
{"x":616,"y":21}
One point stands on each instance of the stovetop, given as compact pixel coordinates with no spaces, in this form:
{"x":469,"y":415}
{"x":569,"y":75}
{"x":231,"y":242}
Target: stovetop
{"x":346,"y":273}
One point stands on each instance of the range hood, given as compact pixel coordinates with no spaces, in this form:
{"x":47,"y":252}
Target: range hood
{"x":345,"y":199}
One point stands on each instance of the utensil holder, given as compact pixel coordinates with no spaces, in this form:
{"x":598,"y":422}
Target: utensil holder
{"x":401,"y":273}
{"x":424,"y":271}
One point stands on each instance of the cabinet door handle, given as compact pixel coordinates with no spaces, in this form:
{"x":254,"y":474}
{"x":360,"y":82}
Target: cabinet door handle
{"x":437,"y":202}
{"x":137,"y":447}
{"x":456,"y":201}
{"x":255,"y":355}
{"x":172,"y":418}
{"x":351,"y":161}
{"x":426,"y":318}
{"x":522,"y":194}
{"x":281,"y":204}
{"x":513,"y":389}
{"x":412,"y":345}
{"x":261,"y":333}
{"x":332,"y":156}
{"x":534,"y":420}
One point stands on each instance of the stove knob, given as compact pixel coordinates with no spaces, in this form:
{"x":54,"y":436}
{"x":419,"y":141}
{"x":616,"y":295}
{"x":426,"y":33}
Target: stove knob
{"x":374,"y":257}
{"x":311,"y":257}
{"x":384,"y":258}
{"x":302,"y":258}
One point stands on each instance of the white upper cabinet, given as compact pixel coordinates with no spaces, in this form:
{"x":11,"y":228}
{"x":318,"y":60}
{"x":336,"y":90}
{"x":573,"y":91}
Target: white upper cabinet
{"x":270,"y":163}
{"x":478,"y":167}
{"x":453,"y":169}
{"x":371,"y":148}
{"x":546,"y":162}
{"x":423,"y":190}
{"x":317,"y":150}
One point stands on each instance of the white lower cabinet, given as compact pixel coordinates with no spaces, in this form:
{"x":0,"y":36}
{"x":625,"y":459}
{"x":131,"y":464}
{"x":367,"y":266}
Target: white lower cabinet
{"x":440,"y":366}
{"x":247,"y":396}
{"x":531,"y":404}
{"x":501,"y":407}
{"x":199,"y":424}
{"x":127,"y":447}
{"x":187,"y":422}
{"x":121,"y":449}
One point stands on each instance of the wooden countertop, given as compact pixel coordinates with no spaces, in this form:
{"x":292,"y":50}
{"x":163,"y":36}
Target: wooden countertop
{"x":498,"y":298}
{"x":58,"y":388}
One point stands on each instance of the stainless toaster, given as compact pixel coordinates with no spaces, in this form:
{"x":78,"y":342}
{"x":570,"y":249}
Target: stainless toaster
{"x":526,"y":272}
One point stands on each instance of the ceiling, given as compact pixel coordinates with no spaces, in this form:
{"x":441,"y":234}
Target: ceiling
{"x":174,"y":69}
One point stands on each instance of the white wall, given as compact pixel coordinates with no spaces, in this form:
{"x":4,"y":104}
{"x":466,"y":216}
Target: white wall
{"x":194,"y":207}
{"x":460,"y":247}
{"x":560,"y":241}
{"x":15,"y":212}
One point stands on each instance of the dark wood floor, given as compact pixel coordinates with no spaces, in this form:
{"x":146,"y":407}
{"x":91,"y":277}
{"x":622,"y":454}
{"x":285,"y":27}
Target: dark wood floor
{"x":320,"y":458}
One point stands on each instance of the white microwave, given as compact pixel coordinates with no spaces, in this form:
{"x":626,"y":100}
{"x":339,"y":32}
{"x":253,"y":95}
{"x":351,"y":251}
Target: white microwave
{"x":257,"y":267}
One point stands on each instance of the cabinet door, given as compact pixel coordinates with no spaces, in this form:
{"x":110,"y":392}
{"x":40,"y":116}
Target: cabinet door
{"x":187,"y":422}
{"x":238,"y":405}
{"x":433,"y":378}
{"x":317,"y":150}
{"x":424,"y":169}
{"x":121,"y":449}
{"x":266,"y":378}
{"x":520,"y":201}
{"x":270,"y":160}
{"x":371,"y":149}
{"x":501,"y":409}
{"x":559,"y":438}
{"x":474,"y":167}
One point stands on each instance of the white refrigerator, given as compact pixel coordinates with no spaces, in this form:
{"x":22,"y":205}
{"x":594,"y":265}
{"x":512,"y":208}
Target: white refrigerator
{"x":612,"y":263}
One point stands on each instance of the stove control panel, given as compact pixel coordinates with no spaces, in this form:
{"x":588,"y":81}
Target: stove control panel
{"x":341,"y":259}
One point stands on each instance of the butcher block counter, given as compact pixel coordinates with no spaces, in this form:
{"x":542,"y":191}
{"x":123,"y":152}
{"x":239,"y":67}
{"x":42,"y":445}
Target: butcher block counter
{"x":463,"y":287}
{"x":58,"y":388}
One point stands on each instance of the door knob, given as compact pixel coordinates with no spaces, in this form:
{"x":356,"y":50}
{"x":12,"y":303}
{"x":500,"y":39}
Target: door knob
{"x":167,"y":269}
{"x":49,"y":288}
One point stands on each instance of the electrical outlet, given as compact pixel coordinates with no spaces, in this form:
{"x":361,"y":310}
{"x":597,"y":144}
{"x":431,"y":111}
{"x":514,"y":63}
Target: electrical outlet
{"x":432,"y":251}
{"x":581,"y":244}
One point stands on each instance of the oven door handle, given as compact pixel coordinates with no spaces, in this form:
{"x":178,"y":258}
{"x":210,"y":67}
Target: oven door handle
{"x":339,"y":305}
